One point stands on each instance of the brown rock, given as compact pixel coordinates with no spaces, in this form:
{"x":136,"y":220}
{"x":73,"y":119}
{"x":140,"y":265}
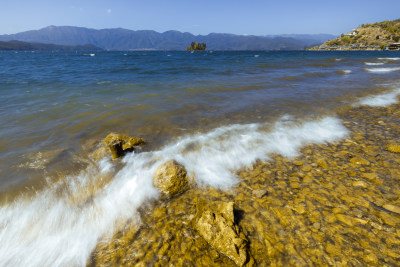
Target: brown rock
{"x":171,"y":178}
{"x":120,"y":144}
{"x":393,"y":148}
{"x":359,"y":161}
{"x":322,"y":163}
{"x":259,"y":193}
{"x":215,"y":223}
{"x":392,"y":208}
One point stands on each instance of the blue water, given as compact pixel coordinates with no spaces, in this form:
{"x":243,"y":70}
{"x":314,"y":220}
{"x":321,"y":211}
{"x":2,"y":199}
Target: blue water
{"x":57,"y":101}
{"x":214,"y":112}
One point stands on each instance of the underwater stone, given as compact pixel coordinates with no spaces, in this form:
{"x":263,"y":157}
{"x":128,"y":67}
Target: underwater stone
{"x":393,"y":148}
{"x":359,"y":161}
{"x":215,"y":223}
{"x":170,"y":178}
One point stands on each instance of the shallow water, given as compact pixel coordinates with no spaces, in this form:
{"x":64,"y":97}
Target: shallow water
{"x":215,"y":112}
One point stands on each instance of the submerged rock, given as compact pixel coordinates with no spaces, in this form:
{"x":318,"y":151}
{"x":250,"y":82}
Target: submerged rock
{"x":171,"y":178}
{"x":216,"y":224}
{"x":359,"y":161}
{"x":393,"y":148}
{"x":120,"y":144}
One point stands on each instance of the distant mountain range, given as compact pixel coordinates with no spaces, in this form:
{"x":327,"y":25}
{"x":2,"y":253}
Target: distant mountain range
{"x":123,"y":39}
{"x":25,"y":46}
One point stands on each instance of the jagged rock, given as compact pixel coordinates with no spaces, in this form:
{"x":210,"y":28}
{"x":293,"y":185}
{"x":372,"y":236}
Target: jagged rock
{"x":120,"y":144}
{"x":216,"y":224}
{"x":171,"y":178}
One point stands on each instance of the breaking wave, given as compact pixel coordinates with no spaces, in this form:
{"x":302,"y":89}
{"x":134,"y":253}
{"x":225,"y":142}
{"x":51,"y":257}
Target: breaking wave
{"x":382,"y":70}
{"x":374,"y":63}
{"x":380,"y":100}
{"x":61,"y":225}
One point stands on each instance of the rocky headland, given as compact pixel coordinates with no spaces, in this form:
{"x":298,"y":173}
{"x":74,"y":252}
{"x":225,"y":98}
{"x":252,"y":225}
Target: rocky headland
{"x":374,"y":36}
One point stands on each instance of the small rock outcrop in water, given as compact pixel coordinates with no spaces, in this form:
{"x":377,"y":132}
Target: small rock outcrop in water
{"x":120,"y":144}
{"x":196,"y":47}
{"x":171,"y":178}
{"x":216,"y":224}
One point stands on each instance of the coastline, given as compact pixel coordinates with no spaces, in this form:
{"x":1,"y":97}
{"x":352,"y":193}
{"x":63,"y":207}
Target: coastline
{"x":335,"y":204}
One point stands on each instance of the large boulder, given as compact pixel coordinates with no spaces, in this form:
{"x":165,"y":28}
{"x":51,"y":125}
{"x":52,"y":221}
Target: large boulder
{"x":215,"y":222}
{"x":120,"y":144}
{"x":171,"y":178}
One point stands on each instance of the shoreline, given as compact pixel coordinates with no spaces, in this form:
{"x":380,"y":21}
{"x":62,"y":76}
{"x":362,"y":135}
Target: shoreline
{"x":335,"y":204}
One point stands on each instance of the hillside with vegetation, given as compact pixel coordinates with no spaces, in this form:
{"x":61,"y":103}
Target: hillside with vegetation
{"x":373,"y":36}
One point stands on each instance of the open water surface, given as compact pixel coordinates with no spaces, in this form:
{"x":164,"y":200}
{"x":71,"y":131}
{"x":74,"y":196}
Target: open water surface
{"x":214,"y":112}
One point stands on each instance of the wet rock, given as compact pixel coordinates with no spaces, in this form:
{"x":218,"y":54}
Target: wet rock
{"x":371,"y":176}
{"x":260,"y":192}
{"x":120,"y":144}
{"x":298,"y":163}
{"x":171,"y":178}
{"x":322,"y":163}
{"x":359,"y":161}
{"x":306,"y":168}
{"x":216,"y":224}
{"x":392,"y":208}
{"x":349,"y":221}
{"x":393,"y":148}
{"x":359,"y":184}
{"x":389,"y":219}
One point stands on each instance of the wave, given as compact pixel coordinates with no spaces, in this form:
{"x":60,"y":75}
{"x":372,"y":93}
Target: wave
{"x":61,"y":225}
{"x":389,"y":58}
{"x":382,"y":70}
{"x":374,"y":63}
{"x":380,"y":100}
{"x":344,"y":72}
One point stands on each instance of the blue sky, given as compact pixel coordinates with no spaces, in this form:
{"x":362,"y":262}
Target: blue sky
{"x":255,"y":17}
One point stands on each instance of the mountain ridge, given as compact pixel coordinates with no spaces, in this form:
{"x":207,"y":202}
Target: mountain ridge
{"x":15,"y":45}
{"x":125,"y":39}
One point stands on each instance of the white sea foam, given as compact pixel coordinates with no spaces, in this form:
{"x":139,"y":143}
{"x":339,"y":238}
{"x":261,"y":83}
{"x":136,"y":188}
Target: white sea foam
{"x":374,"y":63}
{"x":59,"y":227}
{"x":104,"y":82}
{"x":382,"y":70}
{"x":380,"y":100}
{"x":389,"y":58}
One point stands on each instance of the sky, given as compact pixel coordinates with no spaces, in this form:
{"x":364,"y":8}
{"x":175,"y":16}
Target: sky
{"x":252,"y":17}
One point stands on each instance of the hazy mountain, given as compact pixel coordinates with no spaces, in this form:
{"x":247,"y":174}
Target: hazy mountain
{"x":18,"y":45}
{"x":123,"y":39}
{"x":321,"y":38}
